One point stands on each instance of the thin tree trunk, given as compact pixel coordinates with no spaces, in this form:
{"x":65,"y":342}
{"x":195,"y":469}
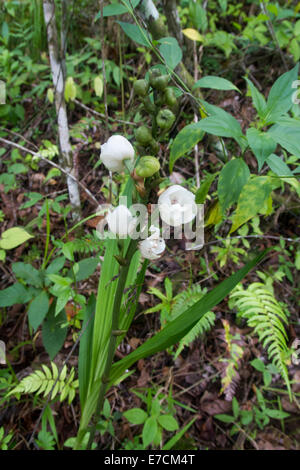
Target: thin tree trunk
{"x":56,"y":63}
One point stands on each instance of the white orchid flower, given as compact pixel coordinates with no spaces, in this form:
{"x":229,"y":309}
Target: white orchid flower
{"x":120,"y":221}
{"x":153,"y":246}
{"x":177,"y":206}
{"x":115,"y":151}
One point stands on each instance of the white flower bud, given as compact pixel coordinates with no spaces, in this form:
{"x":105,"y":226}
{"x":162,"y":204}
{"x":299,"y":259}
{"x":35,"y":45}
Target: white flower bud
{"x":153,"y":246}
{"x":177,"y":206}
{"x":120,"y":221}
{"x":115,"y":151}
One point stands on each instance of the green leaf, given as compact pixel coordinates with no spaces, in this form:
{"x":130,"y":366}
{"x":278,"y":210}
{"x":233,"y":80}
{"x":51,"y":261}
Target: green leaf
{"x":258,"y":365}
{"x":38,"y":310}
{"x":224,"y":125}
{"x":261,"y":144}
{"x":276,"y":414}
{"x":116,"y":9}
{"x":70,"y":90}
{"x":168,"y":422}
{"x":15,"y":294}
{"x":171,"y":443}
{"x":53,"y":333}
{"x":235,"y":407}
{"x":180,"y":326}
{"x":62,"y":300}
{"x":135,"y":33}
{"x":14,"y":237}
{"x":233,"y":177}
{"x":171,"y":51}
{"x":225,"y":418}
{"x":34,"y":198}
{"x":86,"y":267}
{"x":98,"y":86}
{"x":286,"y":133}
{"x":215,"y":83}
{"x":246,"y":417}
{"x":184,"y":141}
{"x":85,"y":350}
{"x":149,"y":431}
{"x":56,"y":265}
{"x":253,"y":197}
{"x":136,"y":416}
{"x":28,"y":274}
{"x":258,"y":99}
{"x":202,"y":192}
{"x":280,"y":96}
{"x":278,"y":166}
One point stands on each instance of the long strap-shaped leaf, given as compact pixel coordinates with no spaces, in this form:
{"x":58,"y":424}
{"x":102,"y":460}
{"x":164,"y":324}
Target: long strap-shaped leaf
{"x":179,"y":327}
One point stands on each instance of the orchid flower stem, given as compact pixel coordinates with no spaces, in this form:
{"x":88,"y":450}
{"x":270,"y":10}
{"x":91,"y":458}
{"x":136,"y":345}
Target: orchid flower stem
{"x":123,"y":272}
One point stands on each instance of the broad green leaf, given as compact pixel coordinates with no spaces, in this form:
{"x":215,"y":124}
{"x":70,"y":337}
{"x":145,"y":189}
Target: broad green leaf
{"x":28,"y":274}
{"x":286,"y":133}
{"x":86,"y":267}
{"x":233,"y":177}
{"x":204,"y":188}
{"x":54,"y":331}
{"x":278,"y":166}
{"x":34,"y":198}
{"x":15,"y":294}
{"x":261,"y":144}
{"x":184,"y":141}
{"x":168,"y":422}
{"x":98,"y":86}
{"x":135,"y":33}
{"x":280,"y":97}
{"x":171,"y":51}
{"x":117,"y":9}
{"x":38,"y":310}
{"x":70,"y":90}
{"x":56,"y":265}
{"x":14,"y":237}
{"x":149,"y":431}
{"x":175,"y":330}
{"x":198,"y":16}
{"x":224,"y":126}
{"x":136,"y":416}
{"x":214,"y":215}
{"x":216,"y":83}
{"x":62,"y":301}
{"x":192,"y":34}
{"x":253,"y":197}
{"x":276,"y":414}
{"x":258,"y":99}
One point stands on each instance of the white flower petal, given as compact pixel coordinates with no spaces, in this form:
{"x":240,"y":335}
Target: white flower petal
{"x":177,"y":206}
{"x":115,"y":151}
{"x":120,"y":221}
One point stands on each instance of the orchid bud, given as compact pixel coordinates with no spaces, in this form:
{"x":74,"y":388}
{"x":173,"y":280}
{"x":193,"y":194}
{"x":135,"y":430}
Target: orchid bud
{"x":115,"y":151}
{"x":177,"y":206}
{"x":153,"y":246}
{"x":120,"y":221}
{"x":147,"y":166}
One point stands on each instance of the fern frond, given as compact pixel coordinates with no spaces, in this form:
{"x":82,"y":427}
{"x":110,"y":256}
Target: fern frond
{"x":185,"y":300}
{"x":258,"y":305}
{"x":46,"y":380}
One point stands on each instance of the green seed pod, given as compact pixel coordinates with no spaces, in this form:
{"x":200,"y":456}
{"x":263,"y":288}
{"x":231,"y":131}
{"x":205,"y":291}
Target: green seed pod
{"x":147,"y":166}
{"x":165,"y":119}
{"x":141,"y":87}
{"x":170,"y":98}
{"x":143,"y":135}
{"x":154,"y":147}
{"x":160,"y":83}
{"x":153,"y":75}
{"x":149,"y":106}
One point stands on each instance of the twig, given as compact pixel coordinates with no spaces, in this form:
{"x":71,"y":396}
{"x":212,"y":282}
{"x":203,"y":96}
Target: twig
{"x":38,"y":155}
